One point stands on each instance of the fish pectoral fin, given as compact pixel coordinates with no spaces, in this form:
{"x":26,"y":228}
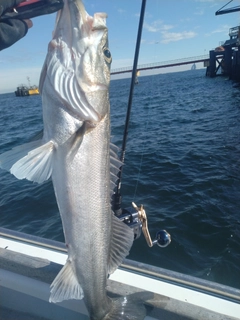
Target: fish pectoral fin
{"x":65,"y":286}
{"x":121,"y":243}
{"x":31,"y":161}
{"x":66,"y":85}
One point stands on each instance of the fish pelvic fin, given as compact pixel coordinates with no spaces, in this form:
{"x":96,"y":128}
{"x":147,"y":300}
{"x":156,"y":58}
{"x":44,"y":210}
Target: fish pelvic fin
{"x":31,"y":161}
{"x":126,"y":308}
{"x":65,"y":286}
{"x":122,"y":239}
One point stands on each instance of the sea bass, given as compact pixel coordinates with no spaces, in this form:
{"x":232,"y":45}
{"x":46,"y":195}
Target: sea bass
{"x":76,"y":153}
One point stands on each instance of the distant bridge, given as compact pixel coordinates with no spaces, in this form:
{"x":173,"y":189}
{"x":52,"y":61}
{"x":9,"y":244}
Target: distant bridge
{"x":164,"y":64}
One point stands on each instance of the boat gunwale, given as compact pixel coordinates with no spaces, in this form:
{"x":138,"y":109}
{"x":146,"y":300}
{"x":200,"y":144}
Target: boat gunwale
{"x":169,"y":276}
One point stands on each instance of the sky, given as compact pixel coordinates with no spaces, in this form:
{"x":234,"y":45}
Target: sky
{"x":173,"y":29}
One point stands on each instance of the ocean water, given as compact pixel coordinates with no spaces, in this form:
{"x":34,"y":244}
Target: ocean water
{"x":182,"y":163}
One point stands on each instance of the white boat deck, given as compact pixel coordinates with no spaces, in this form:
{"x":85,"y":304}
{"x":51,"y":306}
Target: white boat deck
{"x":29,"y":264}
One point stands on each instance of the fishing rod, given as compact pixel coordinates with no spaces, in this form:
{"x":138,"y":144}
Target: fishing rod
{"x":135,"y":217}
{"x":117,"y":196}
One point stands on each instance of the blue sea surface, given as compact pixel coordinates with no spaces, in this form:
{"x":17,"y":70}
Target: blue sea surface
{"x":182,"y":163}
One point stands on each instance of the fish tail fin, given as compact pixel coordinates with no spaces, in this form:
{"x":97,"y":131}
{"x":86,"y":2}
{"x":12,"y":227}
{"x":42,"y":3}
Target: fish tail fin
{"x":31,"y":161}
{"x":126,"y":308}
{"x":65,"y":286}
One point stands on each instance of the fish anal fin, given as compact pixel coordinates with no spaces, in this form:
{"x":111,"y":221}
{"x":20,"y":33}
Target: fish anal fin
{"x":65,"y":286}
{"x":121,"y":243}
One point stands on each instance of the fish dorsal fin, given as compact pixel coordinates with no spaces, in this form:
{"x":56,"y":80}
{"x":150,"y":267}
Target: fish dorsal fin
{"x":122,"y":235}
{"x":114,"y":149}
{"x":122,"y":239}
{"x":31,"y":161}
{"x":65,"y":83}
{"x":115,"y":165}
{"x":65,"y":286}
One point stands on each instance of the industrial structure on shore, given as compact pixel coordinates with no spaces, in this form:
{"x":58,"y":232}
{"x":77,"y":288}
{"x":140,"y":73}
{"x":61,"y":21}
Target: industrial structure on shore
{"x":223,"y":60}
{"x":226,"y":57}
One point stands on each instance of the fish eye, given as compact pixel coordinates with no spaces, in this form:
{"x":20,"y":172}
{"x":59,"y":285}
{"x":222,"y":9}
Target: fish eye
{"x":107,"y":55}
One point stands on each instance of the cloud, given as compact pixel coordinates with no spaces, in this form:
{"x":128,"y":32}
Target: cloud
{"x":177,"y":36}
{"x":199,"y":12}
{"x":222,"y":29}
{"x":166,"y":27}
{"x":121,"y":11}
{"x":146,"y":15}
{"x":205,"y":0}
{"x":154,"y":26}
{"x":210,"y":3}
{"x":186,"y":20}
{"x":157,"y":26}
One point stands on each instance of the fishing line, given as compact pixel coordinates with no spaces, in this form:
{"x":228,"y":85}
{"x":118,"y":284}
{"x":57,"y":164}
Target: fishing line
{"x":155,"y":43}
{"x":145,"y":140}
{"x":142,"y":155}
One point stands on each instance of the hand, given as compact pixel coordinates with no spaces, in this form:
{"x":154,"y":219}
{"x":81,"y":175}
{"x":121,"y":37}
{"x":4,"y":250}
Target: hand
{"x":11,"y":30}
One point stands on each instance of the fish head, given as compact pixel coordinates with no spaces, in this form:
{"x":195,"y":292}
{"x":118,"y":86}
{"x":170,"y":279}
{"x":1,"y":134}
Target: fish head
{"x":78,"y":61}
{"x":86,"y":38}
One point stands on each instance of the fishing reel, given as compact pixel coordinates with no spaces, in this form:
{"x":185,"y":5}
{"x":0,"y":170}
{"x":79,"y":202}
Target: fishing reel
{"x":136,"y":219}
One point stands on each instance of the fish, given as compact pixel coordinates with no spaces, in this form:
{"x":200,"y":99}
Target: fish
{"x":76,"y":153}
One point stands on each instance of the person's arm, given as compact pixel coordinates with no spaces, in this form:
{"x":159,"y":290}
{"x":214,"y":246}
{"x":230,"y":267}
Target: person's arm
{"x":11,"y":30}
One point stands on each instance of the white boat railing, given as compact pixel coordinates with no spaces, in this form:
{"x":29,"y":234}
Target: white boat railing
{"x":183,"y":280}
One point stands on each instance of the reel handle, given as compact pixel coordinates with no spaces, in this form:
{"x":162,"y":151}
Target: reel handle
{"x":163,"y":238}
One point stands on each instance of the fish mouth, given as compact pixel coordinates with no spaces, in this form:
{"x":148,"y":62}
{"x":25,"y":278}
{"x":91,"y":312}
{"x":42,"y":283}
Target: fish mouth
{"x":74,"y":14}
{"x":97,"y":22}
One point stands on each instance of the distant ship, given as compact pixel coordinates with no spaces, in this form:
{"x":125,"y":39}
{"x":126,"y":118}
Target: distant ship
{"x":23,"y":91}
{"x":136,"y":77}
{"x":193,"y":67}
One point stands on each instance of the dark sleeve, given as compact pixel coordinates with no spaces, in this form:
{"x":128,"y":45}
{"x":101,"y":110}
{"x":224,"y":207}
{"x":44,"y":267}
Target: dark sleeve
{"x":8,"y":4}
{"x":13,"y":29}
